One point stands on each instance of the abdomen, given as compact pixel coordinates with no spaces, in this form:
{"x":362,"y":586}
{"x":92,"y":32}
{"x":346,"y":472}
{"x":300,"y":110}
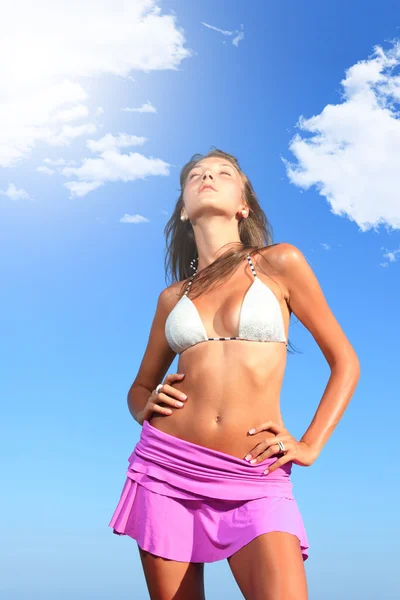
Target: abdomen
{"x":232,"y":386}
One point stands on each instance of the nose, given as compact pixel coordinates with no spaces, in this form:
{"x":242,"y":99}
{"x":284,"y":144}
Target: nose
{"x":208,"y":173}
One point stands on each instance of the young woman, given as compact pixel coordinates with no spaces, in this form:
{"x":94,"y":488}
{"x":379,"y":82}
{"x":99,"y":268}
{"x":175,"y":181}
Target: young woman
{"x":210,"y":476}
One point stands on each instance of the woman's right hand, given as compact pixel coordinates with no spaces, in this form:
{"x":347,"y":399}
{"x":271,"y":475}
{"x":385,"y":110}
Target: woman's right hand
{"x":166,"y":395}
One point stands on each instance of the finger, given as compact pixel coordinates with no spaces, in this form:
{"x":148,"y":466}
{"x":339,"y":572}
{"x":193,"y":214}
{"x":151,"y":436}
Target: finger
{"x":267,"y":425}
{"x":173,"y":376}
{"x":171,"y":391}
{"x":269,"y":444}
{"x":274,"y":448}
{"x":161,"y":397}
{"x":281,"y":461}
{"x":286,"y":439}
{"x":259,"y":456}
{"x":159,"y":409}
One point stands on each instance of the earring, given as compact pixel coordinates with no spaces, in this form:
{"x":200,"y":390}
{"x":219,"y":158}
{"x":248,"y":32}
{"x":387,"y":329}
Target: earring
{"x":183,"y":218}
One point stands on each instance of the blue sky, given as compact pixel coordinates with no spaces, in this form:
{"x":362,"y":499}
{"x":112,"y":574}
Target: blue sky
{"x":100,"y":108}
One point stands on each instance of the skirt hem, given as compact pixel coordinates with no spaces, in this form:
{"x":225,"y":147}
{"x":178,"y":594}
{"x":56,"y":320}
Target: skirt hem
{"x":172,"y":556}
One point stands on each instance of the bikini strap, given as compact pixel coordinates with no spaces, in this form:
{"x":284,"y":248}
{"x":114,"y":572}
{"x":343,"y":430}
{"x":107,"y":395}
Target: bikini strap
{"x":188,"y":286}
{"x":251,"y":265}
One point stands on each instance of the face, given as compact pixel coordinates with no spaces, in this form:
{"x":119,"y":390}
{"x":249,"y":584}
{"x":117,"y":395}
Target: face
{"x":226,"y":197}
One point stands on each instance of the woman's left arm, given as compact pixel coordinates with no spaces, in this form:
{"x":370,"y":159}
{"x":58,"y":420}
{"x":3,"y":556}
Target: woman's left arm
{"x":308,"y":303}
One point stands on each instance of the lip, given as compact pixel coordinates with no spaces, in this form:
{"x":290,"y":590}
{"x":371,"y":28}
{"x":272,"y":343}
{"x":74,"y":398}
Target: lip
{"x":204,"y":187}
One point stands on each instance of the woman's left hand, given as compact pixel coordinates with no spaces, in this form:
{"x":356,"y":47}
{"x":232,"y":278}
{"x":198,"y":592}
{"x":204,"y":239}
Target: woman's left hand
{"x":300,"y":453}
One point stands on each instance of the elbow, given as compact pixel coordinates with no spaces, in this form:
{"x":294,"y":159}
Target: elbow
{"x":358,"y":367}
{"x":355,"y":366}
{"x":348,"y":362}
{"x":355,"y":370}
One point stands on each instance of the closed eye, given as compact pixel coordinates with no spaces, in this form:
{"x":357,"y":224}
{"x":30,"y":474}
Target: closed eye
{"x":226,"y":172}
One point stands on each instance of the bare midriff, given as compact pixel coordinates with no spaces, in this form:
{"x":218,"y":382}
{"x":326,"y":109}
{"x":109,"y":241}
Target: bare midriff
{"x":231,"y":387}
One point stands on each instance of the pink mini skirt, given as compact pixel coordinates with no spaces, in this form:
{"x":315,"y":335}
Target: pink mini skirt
{"x":189,"y":503}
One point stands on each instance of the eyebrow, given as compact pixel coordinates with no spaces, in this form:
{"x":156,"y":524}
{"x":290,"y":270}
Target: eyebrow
{"x":220,"y":164}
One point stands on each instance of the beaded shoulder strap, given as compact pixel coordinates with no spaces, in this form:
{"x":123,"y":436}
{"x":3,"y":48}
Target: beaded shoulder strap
{"x":189,"y":284}
{"x":251,"y":265}
{"x":192,"y":276}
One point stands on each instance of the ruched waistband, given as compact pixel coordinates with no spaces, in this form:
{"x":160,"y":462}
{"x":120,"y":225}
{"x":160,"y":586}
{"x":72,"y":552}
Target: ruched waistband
{"x":174,"y":467}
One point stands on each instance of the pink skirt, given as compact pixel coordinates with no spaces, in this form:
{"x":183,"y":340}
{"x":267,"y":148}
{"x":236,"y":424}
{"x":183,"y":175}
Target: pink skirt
{"x":189,"y":503}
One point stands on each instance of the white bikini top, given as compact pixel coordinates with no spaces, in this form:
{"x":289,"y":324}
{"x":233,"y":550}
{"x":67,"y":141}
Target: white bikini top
{"x":260,"y":319}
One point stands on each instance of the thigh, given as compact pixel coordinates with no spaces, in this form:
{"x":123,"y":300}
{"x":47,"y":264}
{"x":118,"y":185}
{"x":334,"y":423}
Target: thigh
{"x":172,"y":580}
{"x":270,"y":567}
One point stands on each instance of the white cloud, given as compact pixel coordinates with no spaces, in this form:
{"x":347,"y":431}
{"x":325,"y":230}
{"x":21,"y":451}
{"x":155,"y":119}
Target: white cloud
{"x":112,"y":166}
{"x":81,"y":188}
{"x":133,"y":219}
{"x":109,"y":142}
{"x":391,"y":255}
{"x":238,"y":38}
{"x":29,"y":119}
{"x":68,"y":133}
{"x":14,"y":193}
{"x":58,"y":162}
{"x":52,"y":44}
{"x":325,"y":246}
{"x":352,"y":153}
{"x":45,"y":170}
{"x":147,"y":107}
{"x":226,"y":32}
{"x":223,"y":31}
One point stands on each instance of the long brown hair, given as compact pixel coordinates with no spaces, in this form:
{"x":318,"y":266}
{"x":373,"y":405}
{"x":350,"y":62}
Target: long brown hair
{"x":255,"y":233}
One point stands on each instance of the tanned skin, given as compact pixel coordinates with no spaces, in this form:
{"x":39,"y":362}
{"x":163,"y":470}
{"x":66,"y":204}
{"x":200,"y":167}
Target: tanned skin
{"x":233,"y":386}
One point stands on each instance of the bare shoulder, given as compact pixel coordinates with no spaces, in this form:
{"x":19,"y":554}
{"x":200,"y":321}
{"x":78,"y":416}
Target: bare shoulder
{"x":307,"y":301}
{"x":170,"y":295}
{"x":283,"y":254}
{"x":282,"y":257}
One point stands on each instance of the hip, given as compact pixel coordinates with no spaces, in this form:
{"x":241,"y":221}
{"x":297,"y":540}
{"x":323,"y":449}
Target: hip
{"x":221,"y":430}
{"x":172,"y":466}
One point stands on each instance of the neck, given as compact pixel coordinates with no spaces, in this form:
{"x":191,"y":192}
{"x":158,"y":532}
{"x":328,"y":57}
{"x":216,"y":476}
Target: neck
{"x":214,"y":237}
{"x":206,"y":260}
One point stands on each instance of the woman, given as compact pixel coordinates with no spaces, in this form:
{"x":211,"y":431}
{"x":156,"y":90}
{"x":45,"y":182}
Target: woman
{"x":210,"y":475}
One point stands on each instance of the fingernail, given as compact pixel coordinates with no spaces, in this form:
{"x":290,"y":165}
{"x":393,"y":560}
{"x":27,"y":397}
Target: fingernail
{"x":252,"y":431}
{"x":253,"y":461}
{"x":248,"y":457}
{"x":183,"y":396}
{"x":266,"y":471}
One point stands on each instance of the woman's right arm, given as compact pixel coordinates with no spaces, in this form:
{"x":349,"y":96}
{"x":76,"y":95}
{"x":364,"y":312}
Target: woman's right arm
{"x":156,"y":360}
